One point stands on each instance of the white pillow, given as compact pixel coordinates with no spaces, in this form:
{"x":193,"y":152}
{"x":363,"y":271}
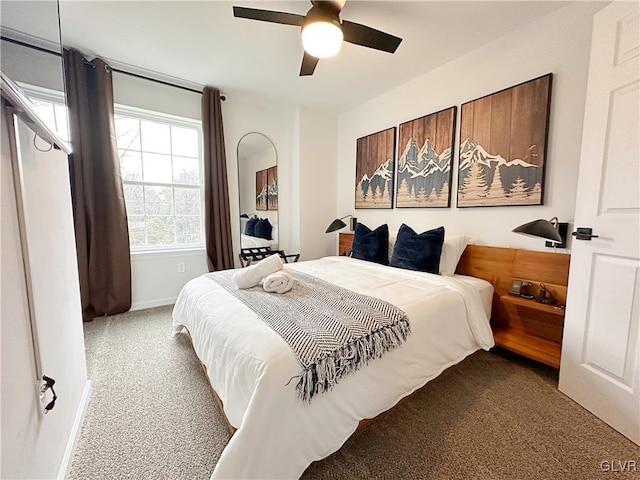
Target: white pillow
{"x":452,"y":250}
{"x":392,"y":242}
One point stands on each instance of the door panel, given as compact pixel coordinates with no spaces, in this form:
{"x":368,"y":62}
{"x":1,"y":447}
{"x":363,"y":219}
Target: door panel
{"x":608,"y":344}
{"x":600,"y":365}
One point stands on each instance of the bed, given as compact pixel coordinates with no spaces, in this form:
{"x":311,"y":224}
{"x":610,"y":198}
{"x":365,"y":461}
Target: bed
{"x":250,"y":366}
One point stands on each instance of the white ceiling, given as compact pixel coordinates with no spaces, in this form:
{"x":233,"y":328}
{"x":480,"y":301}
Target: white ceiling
{"x":201,"y":43}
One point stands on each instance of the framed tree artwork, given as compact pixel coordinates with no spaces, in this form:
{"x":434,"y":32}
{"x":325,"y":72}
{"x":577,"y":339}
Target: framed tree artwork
{"x":261,"y":190}
{"x":503,"y":143}
{"x":375,"y":169}
{"x":425,"y":157}
{"x":272,"y":188}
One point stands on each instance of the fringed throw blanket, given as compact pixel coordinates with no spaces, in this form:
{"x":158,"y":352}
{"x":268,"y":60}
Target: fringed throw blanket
{"x":333,"y":331}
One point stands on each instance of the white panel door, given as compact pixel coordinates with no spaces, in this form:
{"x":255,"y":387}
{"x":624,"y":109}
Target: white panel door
{"x":600,"y":366}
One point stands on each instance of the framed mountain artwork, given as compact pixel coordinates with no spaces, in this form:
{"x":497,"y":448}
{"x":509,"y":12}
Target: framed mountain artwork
{"x":261,"y":190}
{"x":503,"y":143}
{"x":272,"y":188}
{"x":425,"y":157}
{"x":375,"y":169}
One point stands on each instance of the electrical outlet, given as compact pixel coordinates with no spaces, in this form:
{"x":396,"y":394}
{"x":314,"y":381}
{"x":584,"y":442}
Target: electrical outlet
{"x":181,"y":267}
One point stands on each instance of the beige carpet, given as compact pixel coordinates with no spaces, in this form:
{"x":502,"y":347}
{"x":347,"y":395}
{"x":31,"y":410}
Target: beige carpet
{"x":493,"y":416}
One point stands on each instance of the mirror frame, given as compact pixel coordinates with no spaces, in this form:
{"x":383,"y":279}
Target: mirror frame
{"x":240,"y":188}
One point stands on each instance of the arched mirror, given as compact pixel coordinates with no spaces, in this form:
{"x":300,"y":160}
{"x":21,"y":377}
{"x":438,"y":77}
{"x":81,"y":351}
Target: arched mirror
{"x":258,"y":191}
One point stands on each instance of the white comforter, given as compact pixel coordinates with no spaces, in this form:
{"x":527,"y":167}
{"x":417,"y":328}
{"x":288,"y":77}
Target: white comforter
{"x":249,"y":365}
{"x":254,"y":242}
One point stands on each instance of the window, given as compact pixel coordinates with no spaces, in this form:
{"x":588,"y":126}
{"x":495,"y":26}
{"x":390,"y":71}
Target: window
{"x":161,"y":168}
{"x":50,"y":107}
{"x":160,"y":163}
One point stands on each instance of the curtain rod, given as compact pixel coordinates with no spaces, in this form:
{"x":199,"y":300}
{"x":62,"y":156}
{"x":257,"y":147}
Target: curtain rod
{"x":117,"y":70}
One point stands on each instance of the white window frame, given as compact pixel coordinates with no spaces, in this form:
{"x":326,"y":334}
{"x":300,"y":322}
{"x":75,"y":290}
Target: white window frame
{"x":158,"y":117}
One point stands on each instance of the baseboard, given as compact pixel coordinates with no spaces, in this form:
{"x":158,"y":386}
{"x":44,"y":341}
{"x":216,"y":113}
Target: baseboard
{"x":70,"y":451}
{"x":159,"y":302}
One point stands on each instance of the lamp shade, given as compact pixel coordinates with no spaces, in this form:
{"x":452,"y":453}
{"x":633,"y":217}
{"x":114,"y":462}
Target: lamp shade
{"x":540,"y":228}
{"x":322,"y":39}
{"x":337,"y":224}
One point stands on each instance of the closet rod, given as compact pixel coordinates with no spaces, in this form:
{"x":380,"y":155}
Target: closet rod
{"x":117,"y":70}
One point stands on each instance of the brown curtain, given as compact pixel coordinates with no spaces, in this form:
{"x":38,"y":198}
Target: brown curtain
{"x":100,"y":217}
{"x":216,"y":191}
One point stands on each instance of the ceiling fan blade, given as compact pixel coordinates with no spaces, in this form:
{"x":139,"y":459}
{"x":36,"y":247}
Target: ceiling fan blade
{"x":309,"y":63}
{"x":369,"y":37}
{"x":268,"y":16}
{"x":334,"y":6}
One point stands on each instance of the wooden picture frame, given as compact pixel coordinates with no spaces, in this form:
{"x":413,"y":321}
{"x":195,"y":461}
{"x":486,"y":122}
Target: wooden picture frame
{"x":423,"y":175}
{"x":261,"y":190}
{"x":375,"y":168}
{"x":272,"y":188}
{"x":503,"y":143}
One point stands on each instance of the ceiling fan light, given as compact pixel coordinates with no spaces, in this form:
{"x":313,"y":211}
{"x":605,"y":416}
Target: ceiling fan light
{"x":322,"y":39}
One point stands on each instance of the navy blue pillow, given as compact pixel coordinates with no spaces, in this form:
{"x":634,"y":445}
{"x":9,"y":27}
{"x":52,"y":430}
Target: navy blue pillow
{"x":250,"y":227}
{"x":263,"y":229}
{"x":369,"y":245}
{"x":421,"y":252}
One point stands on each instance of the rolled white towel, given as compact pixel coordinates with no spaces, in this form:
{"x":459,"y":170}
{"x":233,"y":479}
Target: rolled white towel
{"x":250,"y":276}
{"x":278,"y":282}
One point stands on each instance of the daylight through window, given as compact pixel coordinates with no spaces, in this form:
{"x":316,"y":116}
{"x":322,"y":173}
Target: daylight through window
{"x":161,"y":168}
{"x":161,"y":174}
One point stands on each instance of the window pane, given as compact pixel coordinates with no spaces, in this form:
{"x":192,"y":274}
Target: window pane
{"x":130,"y":165}
{"x":157,"y":168}
{"x":187,"y":201}
{"x":186,"y":170}
{"x":158,"y":152}
{"x":46,"y":113}
{"x":160,"y":230}
{"x":188,"y":230}
{"x":127,"y":133}
{"x":184,"y":141}
{"x":155,"y":137}
{"x":61,"y":121}
{"x":134,"y":199}
{"x":158,"y":200}
{"x":136,"y":230}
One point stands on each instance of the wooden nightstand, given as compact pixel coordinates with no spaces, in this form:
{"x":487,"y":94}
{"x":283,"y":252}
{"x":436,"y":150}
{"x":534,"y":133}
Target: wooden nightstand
{"x":534,"y":330}
{"x":520,"y":325}
{"x":345,"y":240}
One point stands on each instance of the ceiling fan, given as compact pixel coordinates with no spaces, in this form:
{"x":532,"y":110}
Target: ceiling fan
{"x":323,"y":31}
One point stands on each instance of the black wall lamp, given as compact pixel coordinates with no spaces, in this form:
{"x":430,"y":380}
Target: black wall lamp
{"x":551,"y":230}
{"x":337,"y":224}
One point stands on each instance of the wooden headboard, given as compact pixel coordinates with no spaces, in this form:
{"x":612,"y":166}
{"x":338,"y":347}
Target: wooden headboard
{"x":523,"y":326}
{"x":499,"y":266}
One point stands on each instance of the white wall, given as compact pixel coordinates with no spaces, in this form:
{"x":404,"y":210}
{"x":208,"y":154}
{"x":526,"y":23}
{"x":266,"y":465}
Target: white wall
{"x":558,"y":43}
{"x":26,"y":65}
{"x":140,"y":93}
{"x":242,"y":115}
{"x":35,"y":445}
{"x":318,"y":134}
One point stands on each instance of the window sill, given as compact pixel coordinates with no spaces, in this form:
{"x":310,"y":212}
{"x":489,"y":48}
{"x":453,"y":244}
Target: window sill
{"x":167,"y":252}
